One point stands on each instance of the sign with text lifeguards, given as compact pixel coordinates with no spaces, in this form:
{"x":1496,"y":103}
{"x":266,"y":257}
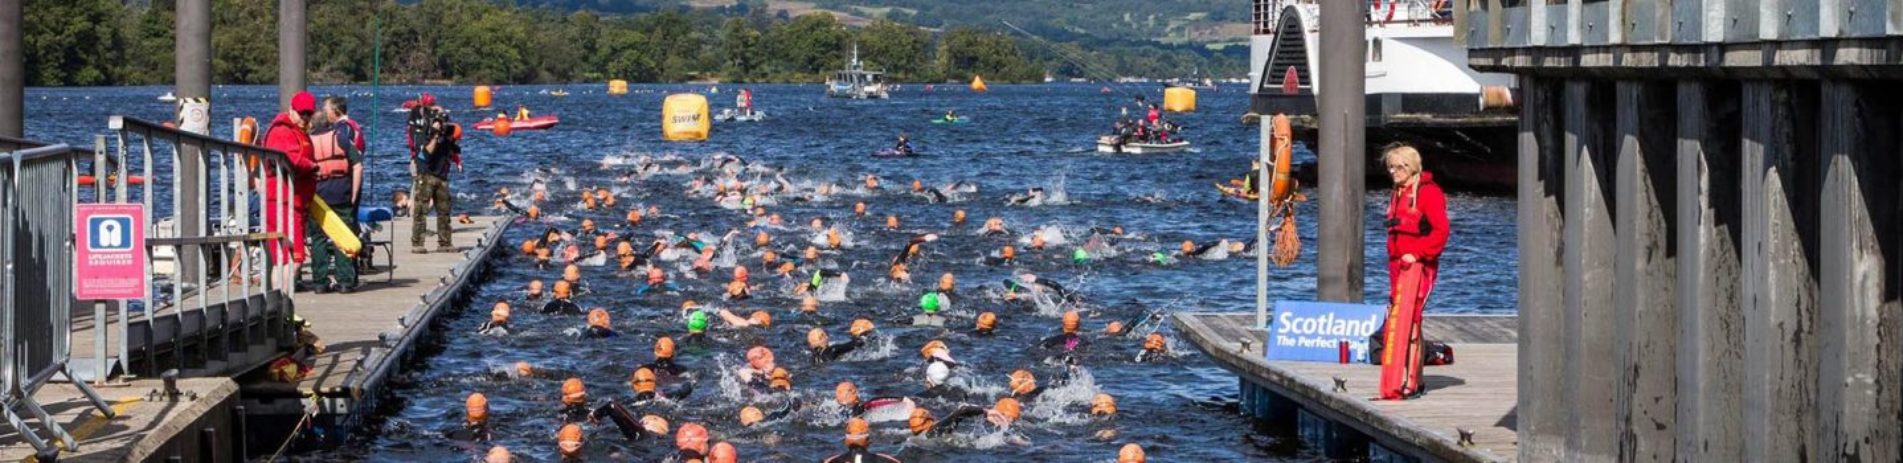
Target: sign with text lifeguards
{"x":1313,"y":331}
{"x":109,"y":262}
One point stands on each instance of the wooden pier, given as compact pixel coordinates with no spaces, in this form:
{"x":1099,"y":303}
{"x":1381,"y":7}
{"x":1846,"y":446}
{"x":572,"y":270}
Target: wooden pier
{"x":1477,"y":393}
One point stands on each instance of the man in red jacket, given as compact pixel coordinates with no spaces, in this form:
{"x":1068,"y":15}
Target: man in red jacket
{"x":1417,"y":233}
{"x":287,"y":134}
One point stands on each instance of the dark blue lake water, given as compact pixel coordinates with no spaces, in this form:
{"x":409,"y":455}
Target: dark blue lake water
{"x":1019,"y":137}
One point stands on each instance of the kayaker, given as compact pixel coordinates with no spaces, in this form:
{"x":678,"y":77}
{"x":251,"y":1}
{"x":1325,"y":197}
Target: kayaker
{"x":951,"y":115}
{"x":904,"y":147}
{"x":521,"y":113}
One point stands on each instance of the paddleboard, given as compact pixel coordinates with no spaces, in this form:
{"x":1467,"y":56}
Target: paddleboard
{"x":942,"y":120}
{"x":335,"y":228}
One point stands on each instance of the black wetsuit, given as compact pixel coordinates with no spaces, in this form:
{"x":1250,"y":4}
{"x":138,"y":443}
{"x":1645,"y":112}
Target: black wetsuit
{"x":469,"y":432}
{"x":957,"y":418}
{"x":833,"y":352}
{"x":910,"y":250}
{"x":492,"y":327}
{"x":596,"y":332}
{"x":665,"y":366}
{"x":860,"y":455}
{"x":574,"y":413}
{"x":625,"y":422}
{"x":1068,"y":342}
{"x":562,"y":307}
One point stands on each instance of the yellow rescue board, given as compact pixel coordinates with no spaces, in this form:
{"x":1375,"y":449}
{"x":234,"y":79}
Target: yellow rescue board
{"x":335,"y":228}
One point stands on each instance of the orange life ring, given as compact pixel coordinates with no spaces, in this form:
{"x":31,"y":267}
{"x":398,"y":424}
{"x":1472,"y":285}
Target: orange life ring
{"x":1282,"y":146}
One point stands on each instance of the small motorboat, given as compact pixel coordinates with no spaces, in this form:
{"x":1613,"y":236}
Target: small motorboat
{"x":892,"y":153}
{"x":534,"y":123}
{"x":1108,"y":144}
{"x":558,"y":93}
{"x":168,"y":97}
{"x":730,"y":115}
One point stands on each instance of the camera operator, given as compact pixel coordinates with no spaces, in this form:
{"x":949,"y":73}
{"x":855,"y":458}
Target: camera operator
{"x":433,"y":149}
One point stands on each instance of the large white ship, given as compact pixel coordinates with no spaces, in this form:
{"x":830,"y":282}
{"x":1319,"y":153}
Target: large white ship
{"x":1419,"y":88}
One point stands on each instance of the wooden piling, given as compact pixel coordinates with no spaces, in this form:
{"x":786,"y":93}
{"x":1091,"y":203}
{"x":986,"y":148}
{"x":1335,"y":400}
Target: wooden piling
{"x":1645,"y":314}
{"x":1711,"y":326}
{"x":1542,"y":423}
{"x":1589,"y":372}
{"x":1780,"y":361}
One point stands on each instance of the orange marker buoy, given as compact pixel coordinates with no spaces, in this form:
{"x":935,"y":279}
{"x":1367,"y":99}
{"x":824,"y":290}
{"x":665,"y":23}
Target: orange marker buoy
{"x":501,"y":126}
{"x":483,"y":96}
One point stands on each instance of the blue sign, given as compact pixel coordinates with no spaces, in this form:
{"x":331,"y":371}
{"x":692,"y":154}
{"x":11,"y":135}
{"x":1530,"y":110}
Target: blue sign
{"x":109,"y":233}
{"x":1313,"y":331}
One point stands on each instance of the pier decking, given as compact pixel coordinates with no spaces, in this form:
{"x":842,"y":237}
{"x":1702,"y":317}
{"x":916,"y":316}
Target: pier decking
{"x":1476,"y":393}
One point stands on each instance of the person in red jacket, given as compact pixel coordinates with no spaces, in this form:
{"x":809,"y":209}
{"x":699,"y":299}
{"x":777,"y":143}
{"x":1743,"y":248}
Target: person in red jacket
{"x":288,"y":134}
{"x":1417,"y":233}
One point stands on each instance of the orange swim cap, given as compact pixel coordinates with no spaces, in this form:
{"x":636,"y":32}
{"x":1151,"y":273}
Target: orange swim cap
{"x":846,"y":394}
{"x":809,"y":304}
{"x":918,"y":185}
{"x":562,"y":289}
{"x":476,"y":408}
{"x":1189,"y":246}
{"x":858,"y":433}
{"x":947,"y":282}
{"x":569,"y":439}
{"x":786,"y":268}
{"x":860,"y":207}
{"x":768,"y":258}
{"x":1114,"y":327}
{"x":987,"y":321}
{"x":723,"y":453}
{"x":1009,"y":253}
{"x":1022,"y":381}
{"x":642,"y":381}
{"x":780,"y":380}
{"x":1130,"y":453}
{"x":573,"y":393}
{"x":589,"y":224}
{"x":891,"y":221}
{"x":656,"y":276}
{"x":571,"y":273}
{"x":634,"y":216}
{"x":528,"y":247}
{"x":1037,"y":241}
{"x":1103,"y":405}
{"x":958,"y":217}
{"x":832,"y":238}
{"x":762,"y":239}
{"x":1070,"y":322}
{"x":524,"y":369}
{"x":899,"y":273}
{"x":1154,"y":343}
{"x":542,"y":254}
{"x":761,"y":319}
{"x":736,"y":289}
{"x":663,"y":348}
{"x":624,"y":249}
{"x":691,"y":436}
{"x":498,"y":454}
{"x":816,"y":338}
{"x":598,"y":318}
{"x":750,"y":416}
{"x":920,"y":421}
{"x":535,"y":212}
{"x":655,"y":424}
{"x":1010,"y":408}
{"x":601,"y":242}
{"x":860,"y":327}
{"x":812,"y":253}
{"x":931,"y":346}
{"x":760,"y":358}
{"x":535,"y":288}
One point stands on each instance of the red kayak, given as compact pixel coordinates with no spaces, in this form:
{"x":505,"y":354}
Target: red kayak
{"x":533,"y":123}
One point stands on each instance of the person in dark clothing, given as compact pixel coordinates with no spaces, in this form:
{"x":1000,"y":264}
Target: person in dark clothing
{"x":561,"y":303}
{"x":339,"y":180}
{"x":825,"y":351}
{"x":475,"y":426}
{"x":904,"y":146}
{"x":858,"y":439}
{"x":434,"y":148}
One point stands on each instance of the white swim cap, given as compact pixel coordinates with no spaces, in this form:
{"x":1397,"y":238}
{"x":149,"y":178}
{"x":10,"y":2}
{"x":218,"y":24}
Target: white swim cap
{"x":937,"y":373}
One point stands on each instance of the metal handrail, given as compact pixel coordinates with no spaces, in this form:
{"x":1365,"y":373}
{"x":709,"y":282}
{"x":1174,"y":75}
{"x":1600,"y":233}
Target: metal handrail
{"x":236,"y":178}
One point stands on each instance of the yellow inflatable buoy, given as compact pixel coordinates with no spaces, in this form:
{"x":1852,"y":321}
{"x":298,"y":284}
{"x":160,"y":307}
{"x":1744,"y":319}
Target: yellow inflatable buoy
{"x":484,"y":95}
{"x":501,"y":127}
{"x":684,"y":117}
{"x":1179,"y":99}
{"x":978,"y":84}
{"x":617,"y":87}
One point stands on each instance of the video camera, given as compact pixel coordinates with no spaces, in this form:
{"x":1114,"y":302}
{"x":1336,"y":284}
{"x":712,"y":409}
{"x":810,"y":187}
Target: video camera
{"x":427,"y":123}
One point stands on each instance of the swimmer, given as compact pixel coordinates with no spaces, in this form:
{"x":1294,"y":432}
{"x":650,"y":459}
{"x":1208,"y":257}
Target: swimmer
{"x":569,"y":442}
{"x":646,"y":428}
{"x":1130,"y":453}
{"x":938,"y":364}
{"x":819,"y":280}
{"x":858,"y":440}
{"x":913,"y":247}
{"x":723,"y":452}
{"x":958,"y":217}
{"x":664,"y":358}
{"x":1006,"y":255}
{"x":995,"y":227}
{"x":1069,"y":340}
{"x":656,"y":282}
{"x":599,"y":325}
{"x":498,"y":454}
{"x":574,"y":401}
{"x":645,"y":385}
{"x":1001,"y":415}
{"x":534,"y":291}
{"x":696,"y":322}
{"x":759,"y":365}
{"x":498,"y":324}
{"x":929,"y":304}
{"x":759,"y":318}
{"x":823,"y":351}
{"x":561,"y":303}
{"x":892,"y":222}
{"x":846,"y":395}
{"x":751,"y":417}
{"x":690,"y":442}
{"x":1024,"y":385}
{"x":987,"y":324}
{"x":899,"y":274}
{"x":475,"y":426}
{"x":780,"y":380}
{"x":947,"y":284}
{"x":1155,"y":348}
{"x":1033,"y":197}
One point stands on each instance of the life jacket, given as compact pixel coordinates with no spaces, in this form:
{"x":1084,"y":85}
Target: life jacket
{"x":332,"y":161}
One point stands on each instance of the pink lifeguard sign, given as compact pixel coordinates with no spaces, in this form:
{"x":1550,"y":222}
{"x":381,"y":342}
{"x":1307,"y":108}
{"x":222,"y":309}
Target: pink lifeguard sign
{"x":109,"y":252}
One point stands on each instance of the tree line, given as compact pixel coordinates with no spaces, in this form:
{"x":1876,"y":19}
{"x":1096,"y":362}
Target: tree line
{"x":111,"y":42}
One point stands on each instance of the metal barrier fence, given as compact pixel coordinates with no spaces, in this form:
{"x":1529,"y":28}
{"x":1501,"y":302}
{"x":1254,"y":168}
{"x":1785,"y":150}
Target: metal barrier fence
{"x":244,"y":198}
{"x":38,"y":190}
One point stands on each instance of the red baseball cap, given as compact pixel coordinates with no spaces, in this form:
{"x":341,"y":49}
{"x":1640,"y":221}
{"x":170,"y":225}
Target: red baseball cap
{"x":303,"y":102}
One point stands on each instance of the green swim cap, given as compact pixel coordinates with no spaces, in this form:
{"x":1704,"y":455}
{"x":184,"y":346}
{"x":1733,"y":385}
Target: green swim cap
{"x":928,"y":302}
{"x":1079,"y":256}
{"x":817,"y":279}
{"x":697,"y":322}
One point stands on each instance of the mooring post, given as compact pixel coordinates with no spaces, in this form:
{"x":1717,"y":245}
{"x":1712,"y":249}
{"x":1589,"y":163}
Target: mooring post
{"x":192,"y":61}
{"x":1645,"y":318}
{"x":1589,"y":249}
{"x":12,"y":71}
{"x":291,"y":42}
{"x":1542,"y":422}
{"x":1343,"y":155}
{"x":1780,"y":230}
{"x":1858,"y":303}
{"x":1710,"y":416}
